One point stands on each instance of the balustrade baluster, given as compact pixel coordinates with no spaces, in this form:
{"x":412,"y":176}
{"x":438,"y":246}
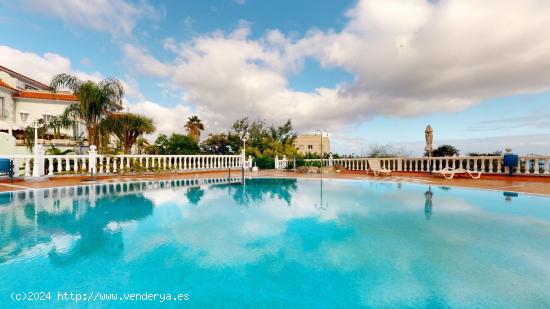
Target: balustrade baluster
{"x":50,"y":166}
{"x":27,"y":167}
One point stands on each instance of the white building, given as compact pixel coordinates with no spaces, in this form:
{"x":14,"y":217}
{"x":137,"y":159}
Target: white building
{"x":24,"y":100}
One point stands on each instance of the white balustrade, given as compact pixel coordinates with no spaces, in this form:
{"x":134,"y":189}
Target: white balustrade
{"x":77,"y":164}
{"x":527,"y":165}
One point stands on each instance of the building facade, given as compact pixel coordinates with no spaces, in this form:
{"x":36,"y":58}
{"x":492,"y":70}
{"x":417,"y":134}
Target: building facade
{"x":312,"y":143}
{"x":24,"y":100}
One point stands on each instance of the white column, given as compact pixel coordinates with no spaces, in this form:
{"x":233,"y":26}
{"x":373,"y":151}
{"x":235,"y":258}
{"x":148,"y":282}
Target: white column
{"x":38,"y":164}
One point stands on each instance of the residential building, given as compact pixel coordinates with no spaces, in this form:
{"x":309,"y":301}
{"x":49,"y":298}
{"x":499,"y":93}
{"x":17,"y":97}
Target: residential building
{"x":24,"y":100}
{"x":312,"y":143}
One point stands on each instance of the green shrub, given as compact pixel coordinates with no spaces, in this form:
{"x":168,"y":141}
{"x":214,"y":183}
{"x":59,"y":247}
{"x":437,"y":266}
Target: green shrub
{"x":265,"y":163}
{"x":313,"y":163}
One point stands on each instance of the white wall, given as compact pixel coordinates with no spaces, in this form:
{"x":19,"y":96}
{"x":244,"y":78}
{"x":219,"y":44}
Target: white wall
{"x":8,"y":105}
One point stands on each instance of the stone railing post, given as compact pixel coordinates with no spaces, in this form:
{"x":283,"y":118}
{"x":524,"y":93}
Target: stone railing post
{"x":330,"y":158}
{"x":38,"y":164}
{"x":276,"y":162}
{"x":92,"y":159}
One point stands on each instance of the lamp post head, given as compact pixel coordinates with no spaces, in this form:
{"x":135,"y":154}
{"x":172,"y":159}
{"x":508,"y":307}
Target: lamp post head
{"x":244,"y":136}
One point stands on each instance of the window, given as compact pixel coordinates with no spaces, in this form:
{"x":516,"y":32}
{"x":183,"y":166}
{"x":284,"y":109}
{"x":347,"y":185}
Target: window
{"x":24,"y":116}
{"x":309,"y":146}
{"x":47,"y":117}
{"x":3,"y":111}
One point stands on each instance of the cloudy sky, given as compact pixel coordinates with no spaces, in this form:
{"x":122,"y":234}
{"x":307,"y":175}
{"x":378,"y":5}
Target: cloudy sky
{"x":369,"y":72}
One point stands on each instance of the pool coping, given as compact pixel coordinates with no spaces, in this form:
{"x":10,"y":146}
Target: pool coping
{"x":249,"y":175}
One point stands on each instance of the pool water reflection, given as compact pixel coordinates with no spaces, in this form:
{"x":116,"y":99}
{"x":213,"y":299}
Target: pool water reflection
{"x":280,"y":243}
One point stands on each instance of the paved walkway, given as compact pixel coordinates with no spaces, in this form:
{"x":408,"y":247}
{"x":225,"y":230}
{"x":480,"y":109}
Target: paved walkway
{"x":514,"y":184}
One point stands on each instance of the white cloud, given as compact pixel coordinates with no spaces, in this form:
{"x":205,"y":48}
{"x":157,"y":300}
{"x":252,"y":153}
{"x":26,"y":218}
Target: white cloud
{"x":167,"y":119}
{"x":40,"y":67}
{"x":409,"y":58}
{"x":144,"y":63}
{"x":118,"y":17}
{"x":43,"y":67}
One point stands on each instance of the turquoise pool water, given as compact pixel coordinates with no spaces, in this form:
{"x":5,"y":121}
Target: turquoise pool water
{"x":276,"y":243}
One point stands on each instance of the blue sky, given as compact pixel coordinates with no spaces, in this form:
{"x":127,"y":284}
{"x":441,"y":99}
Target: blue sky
{"x":370,"y":72}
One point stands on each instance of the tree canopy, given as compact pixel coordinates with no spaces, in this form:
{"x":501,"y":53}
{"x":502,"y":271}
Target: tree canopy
{"x":176,"y":144}
{"x":264,"y":140}
{"x":194,"y":126}
{"x":445,"y":151}
{"x":94,"y":99}
{"x":127,"y":128}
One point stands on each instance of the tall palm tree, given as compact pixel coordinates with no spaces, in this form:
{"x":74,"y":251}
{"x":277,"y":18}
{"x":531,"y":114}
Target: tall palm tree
{"x":127,"y":128}
{"x":94,"y":99}
{"x":194,"y":126}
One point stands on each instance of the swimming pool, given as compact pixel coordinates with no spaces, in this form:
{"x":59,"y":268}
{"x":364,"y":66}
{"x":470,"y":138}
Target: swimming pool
{"x":276,"y":243}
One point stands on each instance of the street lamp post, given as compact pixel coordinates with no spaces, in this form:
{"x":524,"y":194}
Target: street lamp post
{"x":321,"y":133}
{"x":244,"y":137}
{"x":36,"y":165}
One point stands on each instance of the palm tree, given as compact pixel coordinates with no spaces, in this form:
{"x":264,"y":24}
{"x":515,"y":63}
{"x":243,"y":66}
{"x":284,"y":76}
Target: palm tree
{"x":127,"y":128}
{"x":94,"y":99}
{"x":194,"y":126}
{"x":57,"y":123}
